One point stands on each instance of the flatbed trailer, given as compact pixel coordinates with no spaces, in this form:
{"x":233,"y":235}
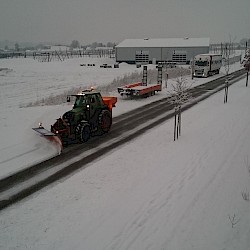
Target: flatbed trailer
{"x":142,"y":89}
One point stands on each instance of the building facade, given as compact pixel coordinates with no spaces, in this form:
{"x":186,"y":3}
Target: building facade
{"x":147,"y":51}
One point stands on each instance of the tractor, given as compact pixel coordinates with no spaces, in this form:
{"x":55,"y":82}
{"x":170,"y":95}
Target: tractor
{"x":91,"y":115}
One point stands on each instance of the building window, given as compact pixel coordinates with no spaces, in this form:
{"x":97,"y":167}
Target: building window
{"x":142,"y":56}
{"x":179,"y":56}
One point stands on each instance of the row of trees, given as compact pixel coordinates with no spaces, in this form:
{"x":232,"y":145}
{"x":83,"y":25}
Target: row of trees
{"x":17,"y":47}
{"x":75,"y":44}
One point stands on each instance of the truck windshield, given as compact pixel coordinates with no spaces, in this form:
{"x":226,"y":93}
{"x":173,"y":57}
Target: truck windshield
{"x":80,"y":101}
{"x":201,"y":63}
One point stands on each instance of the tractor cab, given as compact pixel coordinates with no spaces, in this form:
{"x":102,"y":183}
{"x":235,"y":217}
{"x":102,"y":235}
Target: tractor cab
{"x":87,"y":103}
{"x":80,"y":101}
{"x":86,"y":97}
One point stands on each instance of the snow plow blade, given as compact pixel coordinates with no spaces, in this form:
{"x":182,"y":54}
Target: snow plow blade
{"x":50,"y":136}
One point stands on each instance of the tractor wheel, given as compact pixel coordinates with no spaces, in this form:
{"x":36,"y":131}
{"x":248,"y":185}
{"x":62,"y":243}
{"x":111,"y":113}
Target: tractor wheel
{"x":83,"y":132}
{"x":105,"y":121}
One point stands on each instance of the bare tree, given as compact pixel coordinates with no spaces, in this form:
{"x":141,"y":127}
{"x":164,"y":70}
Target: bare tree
{"x":226,"y":64}
{"x":179,"y":95}
{"x":245,"y":195}
{"x":17,"y":47}
{"x":233,"y":220}
{"x":247,"y":165}
{"x":74,"y":44}
{"x":246,"y":62}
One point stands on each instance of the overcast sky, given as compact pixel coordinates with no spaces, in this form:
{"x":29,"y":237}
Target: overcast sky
{"x":61,"y":21}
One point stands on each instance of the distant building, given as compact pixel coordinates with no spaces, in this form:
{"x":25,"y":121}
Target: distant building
{"x":147,"y":50}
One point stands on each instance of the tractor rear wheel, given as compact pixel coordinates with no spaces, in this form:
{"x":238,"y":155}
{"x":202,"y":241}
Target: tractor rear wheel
{"x":105,"y":121}
{"x":83,"y":132}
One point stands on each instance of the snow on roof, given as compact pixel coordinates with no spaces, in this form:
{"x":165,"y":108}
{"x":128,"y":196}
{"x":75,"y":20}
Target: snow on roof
{"x":209,"y":54}
{"x":103,"y":48}
{"x":165,"y":42}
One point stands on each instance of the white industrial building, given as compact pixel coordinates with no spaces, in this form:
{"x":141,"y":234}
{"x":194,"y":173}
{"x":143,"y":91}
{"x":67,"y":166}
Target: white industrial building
{"x":147,"y":50}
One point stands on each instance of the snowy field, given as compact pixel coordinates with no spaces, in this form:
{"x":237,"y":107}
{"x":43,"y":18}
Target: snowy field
{"x":151,"y":193}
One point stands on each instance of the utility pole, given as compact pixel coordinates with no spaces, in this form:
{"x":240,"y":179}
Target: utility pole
{"x":247,"y":64}
{"x":192,"y":68}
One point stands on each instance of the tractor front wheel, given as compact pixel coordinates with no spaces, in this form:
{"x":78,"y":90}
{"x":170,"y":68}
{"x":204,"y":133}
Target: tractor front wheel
{"x":83,"y":132}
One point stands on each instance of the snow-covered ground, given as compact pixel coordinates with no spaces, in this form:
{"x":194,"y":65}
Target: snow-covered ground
{"x":151,"y":193}
{"x":26,"y":80}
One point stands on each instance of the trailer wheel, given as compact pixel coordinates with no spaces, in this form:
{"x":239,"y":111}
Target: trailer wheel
{"x":105,"y":121}
{"x":83,"y":132}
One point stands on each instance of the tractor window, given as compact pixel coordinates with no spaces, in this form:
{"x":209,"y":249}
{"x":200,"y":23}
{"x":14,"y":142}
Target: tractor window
{"x":92,"y":99}
{"x":99,"y":100}
{"x":80,"y":100}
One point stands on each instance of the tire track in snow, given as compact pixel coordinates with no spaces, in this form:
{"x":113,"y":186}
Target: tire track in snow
{"x":19,"y":155}
{"x":211,"y":182}
{"x":143,"y":216}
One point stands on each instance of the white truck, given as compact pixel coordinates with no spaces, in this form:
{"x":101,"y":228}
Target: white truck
{"x":205,"y":65}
